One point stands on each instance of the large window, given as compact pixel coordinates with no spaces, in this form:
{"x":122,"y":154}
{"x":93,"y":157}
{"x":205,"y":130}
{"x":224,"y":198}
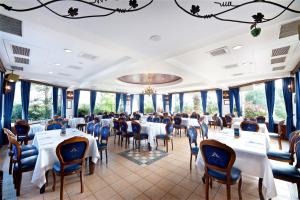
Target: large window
{"x":40,"y":104}
{"x":279,"y":109}
{"x":135,"y":104}
{"x":192,"y":103}
{"x":17,"y":106}
{"x":175,"y":103}
{"x":148,"y":105}
{"x":105,"y":102}
{"x":212,"y":103}
{"x":84,"y":103}
{"x":159,"y":104}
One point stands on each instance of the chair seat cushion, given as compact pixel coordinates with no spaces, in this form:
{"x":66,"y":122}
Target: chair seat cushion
{"x":67,"y":169}
{"x":27,"y":163}
{"x":27,"y":147}
{"x":284,"y":170}
{"x":195,"y":150}
{"x":282,"y":155}
{"x":102,"y":145}
{"x":235,"y":174}
{"x":30,"y":152}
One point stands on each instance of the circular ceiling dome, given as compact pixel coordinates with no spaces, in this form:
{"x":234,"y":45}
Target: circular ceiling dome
{"x":151,"y":78}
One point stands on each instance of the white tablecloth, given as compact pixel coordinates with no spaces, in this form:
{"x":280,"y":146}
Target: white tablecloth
{"x":34,"y":128}
{"x":153,"y":129}
{"x":74,"y":121}
{"x":46,"y":142}
{"x":262,"y":127}
{"x":237,"y":119}
{"x":189,"y":122}
{"x":251,"y":156}
{"x":106,"y":122}
{"x":207,"y":118}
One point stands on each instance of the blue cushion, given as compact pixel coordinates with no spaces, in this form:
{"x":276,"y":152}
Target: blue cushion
{"x":102,"y":145}
{"x":31,"y":152}
{"x":68,"y":168}
{"x":285,"y":170}
{"x":31,"y":136}
{"x":282,"y":155}
{"x":235,"y":174}
{"x":27,"y":147}
{"x":28,"y":162}
{"x":195,"y":150}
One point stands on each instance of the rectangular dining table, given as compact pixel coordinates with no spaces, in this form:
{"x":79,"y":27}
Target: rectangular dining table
{"x":251,"y":157}
{"x":47,"y":141}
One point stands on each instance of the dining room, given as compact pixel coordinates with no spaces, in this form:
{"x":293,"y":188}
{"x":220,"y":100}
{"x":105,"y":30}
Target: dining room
{"x":149,"y":99}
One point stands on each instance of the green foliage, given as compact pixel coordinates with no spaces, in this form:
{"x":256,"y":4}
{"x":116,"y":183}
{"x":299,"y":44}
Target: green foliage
{"x":212,"y":105}
{"x":105,"y":103}
{"x":17,"y":112}
{"x":83,"y":109}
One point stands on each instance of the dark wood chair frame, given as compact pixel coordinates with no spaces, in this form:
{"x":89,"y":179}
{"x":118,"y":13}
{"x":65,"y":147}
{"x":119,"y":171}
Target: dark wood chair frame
{"x":228,"y":124}
{"x":100,"y":142}
{"x":137,"y":136}
{"x":62,"y":174}
{"x":196,"y":144}
{"x":226,"y":170}
{"x":249,"y":122}
{"x":26,"y":125}
{"x":166,"y":139}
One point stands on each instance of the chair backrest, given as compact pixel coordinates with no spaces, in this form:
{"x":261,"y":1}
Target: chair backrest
{"x":72,"y":151}
{"x":249,"y":126}
{"x":123,"y":126}
{"x":177,"y":120}
{"x":15,"y":148}
{"x":136,"y":116}
{"x":260,"y":119}
{"x":192,"y":135}
{"x":184,"y":115}
{"x":90,"y":128}
{"x":21,"y":128}
{"x":297,"y":150}
{"x":53,"y":126}
{"x":204,"y":130}
{"x":156,"y":119}
{"x":166,"y":120}
{"x":149,"y":119}
{"x":220,"y":122}
{"x":169,"y":128}
{"x":280,"y":127}
{"x":217,"y":156}
{"x":116,"y":125}
{"x":104,"y":134}
{"x":136,"y":128}
{"x":97,"y":129}
{"x":228,"y":118}
{"x":294,"y":136}
{"x":214,"y":117}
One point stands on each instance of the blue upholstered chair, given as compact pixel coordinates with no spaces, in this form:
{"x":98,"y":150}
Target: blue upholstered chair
{"x":285,"y":156}
{"x":59,"y":119}
{"x":166,"y":120}
{"x":90,"y":128}
{"x":192,"y":135}
{"x":287,"y":172}
{"x":21,"y":130}
{"x":156,"y":119}
{"x":125,"y":134}
{"x":279,"y":134}
{"x":219,"y":159}
{"x":136,"y":116}
{"x":204,"y":130}
{"x":228,"y":120}
{"x":117,"y":130}
{"x":249,"y":126}
{"x":22,"y":161}
{"x":166,"y":137}
{"x":102,"y":133}
{"x":178,"y":126}
{"x":137,"y":135}
{"x":150,"y":119}
{"x":261,"y":119}
{"x":53,"y":126}
{"x":71,"y":154}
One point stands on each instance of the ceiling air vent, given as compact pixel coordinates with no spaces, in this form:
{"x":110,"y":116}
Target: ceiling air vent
{"x":238,"y":74}
{"x":280,"y":51}
{"x":10,"y":25}
{"x":74,"y":67}
{"x":230,"y":66}
{"x":22,"y":60}
{"x":16,"y":68}
{"x":289,"y":29}
{"x":278,"y":68}
{"x":88,"y":56}
{"x":64,"y":74}
{"x":278,"y":60}
{"x":219,"y":52}
{"x":20,"y":50}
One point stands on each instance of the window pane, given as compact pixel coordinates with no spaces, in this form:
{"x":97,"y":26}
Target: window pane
{"x":279,"y":109}
{"x":148,"y":105}
{"x":84,"y":103}
{"x":59,"y":102}
{"x":212,"y":103}
{"x":17,"y":106}
{"x":175,"y":103}
{"x":105,"y":102}
{"x":192,"y":102}
{"x":135,"y":106}
{"x":159,"y":103}
{"x":40,"y":104}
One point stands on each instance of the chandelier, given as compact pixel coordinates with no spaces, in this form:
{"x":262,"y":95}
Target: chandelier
{"x":73,"y":12}
{"x":149,"y":90}
{"x":257,"y":18}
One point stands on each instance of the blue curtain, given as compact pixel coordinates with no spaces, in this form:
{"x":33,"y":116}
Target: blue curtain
{"x":204,"y":100}
{"x":76,"y":102}
{"x":25,"y":97}
{"x":297,"y":84}
{"x":124,"y":101}
{"x":2,"y":136}
{"x":181,"y":102}
{"x":164,"y":102}
{"x":131,"y":103}
{"x":118,"y":98}
{"x":219,"y":94}
{"x":93,"y":95}
{"x":236,"y":93}
{"x":270,"y":95}
{"x":141,"y":103}
{"x":288,"y":99}
{"x":8,"y":105}
{"x":64,"y":103}
{"x":231,"y":99}
{"x":54,"y":99}
{"x":154,"y":97}
{"x":170,"y":103}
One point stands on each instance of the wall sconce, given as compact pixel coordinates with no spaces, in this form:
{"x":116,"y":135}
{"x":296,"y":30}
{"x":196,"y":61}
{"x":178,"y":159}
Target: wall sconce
{"x":70,"y":95}
{"x":291,"y":86}
{"x":128,"y":97}
{"x":226,"y":94}
{"x":7,"y":87}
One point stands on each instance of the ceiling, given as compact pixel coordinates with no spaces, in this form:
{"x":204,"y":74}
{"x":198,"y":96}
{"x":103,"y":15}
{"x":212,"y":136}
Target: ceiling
{"x":104,"y":49}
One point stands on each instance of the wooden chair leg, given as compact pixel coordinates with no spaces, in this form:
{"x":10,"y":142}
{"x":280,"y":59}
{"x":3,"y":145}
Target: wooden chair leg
{"x":191,"y":162}
{"x":81,"y":181}
{"x":156,"y":143}
{"x":106,"y":155}
{"x":240,"y":188}
{"x":167,"y":145}
{"x":101,"y":154}
{"x":279,"y":143}
{"x":115,"y":138}
{"x":228,"y":192}
{"x":54,"y":180}
{"x":10,"y":165}
{"x":19,"y":182}
{"x":206,"y":187}
{"x":298,"y":189}
{"x":61,"y":194}
{"x":172,"y":143}
{"x":260,"y":180}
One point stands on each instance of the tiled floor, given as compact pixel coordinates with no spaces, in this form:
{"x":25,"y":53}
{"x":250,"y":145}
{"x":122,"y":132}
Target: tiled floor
{"x":167,"y":178}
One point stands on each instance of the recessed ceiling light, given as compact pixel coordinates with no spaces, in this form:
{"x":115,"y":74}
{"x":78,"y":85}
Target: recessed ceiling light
{"x":68,"y":50}
{"x":50,"y":72}
{"x":155,"y":38}
{"x":237,"y":47}
{"x":57,"y":64}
